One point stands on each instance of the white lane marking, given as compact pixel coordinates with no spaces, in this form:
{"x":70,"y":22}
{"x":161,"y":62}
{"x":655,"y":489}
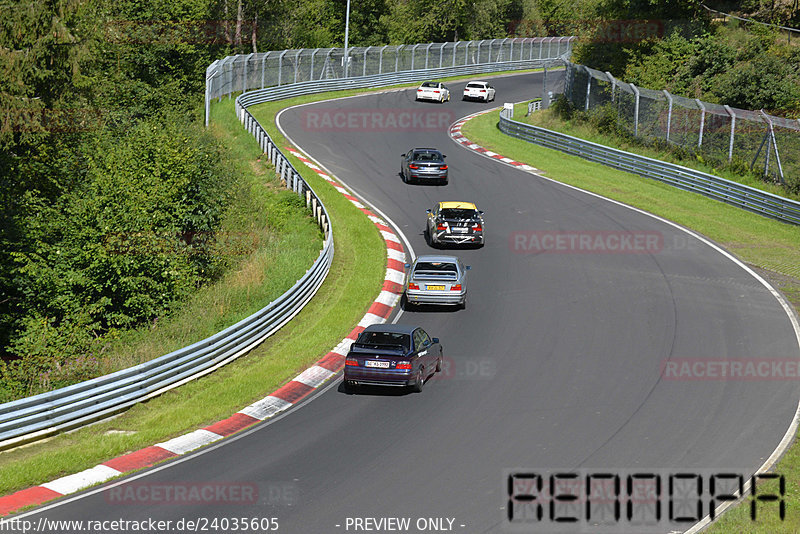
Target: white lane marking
{"x":390,"y":236}
{"x":84,"y":479}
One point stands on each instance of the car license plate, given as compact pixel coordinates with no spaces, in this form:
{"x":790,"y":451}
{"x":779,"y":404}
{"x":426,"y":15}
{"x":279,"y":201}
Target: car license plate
{"x":434,"y":288}
{"x":460,"y":230}
{"x":382,"y":365}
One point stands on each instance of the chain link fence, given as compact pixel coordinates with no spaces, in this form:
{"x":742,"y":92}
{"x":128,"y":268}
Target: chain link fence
{"x":719,"y":133}
{"x":244,"y":73}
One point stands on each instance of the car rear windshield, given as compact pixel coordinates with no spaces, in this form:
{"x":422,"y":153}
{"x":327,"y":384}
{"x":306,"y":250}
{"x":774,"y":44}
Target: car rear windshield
{"x":429,"y":84}
{"x":436,"y":268}
{"x":384,"y":339}
{"x":475,"y":86}
{"x":458,"y":213}
{"x":427,"y":156}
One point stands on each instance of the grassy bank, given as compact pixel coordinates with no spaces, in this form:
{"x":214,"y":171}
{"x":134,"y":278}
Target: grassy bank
{"x":771,"y":247}
{"x":355,"y":279}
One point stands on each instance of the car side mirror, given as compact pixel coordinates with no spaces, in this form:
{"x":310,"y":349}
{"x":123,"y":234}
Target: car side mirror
{"x":444,"y":155}
{"x":469,"y":267}
{"x":480,"y":212}
{"x":407,"y":265}
{"x":427,"y":211}
{"x":436,"y":340}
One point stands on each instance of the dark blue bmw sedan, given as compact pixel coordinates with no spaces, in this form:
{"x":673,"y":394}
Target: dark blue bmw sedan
{"x":392,"y":355}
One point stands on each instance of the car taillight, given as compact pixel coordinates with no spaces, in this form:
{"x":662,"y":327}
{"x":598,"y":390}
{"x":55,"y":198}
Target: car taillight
{"x":436,"y":91}
{"x":413,"y":286}
{"x":477,"y":227}
{"x":441,"y":227}
{"x":456,"y":287}
{"x":482,"y":91}
{"x":410,"y":166}
{"x":351,"y":361}
{"x":403,"y":365}
{"x":419,"y":90}
{"x":444,"y":167}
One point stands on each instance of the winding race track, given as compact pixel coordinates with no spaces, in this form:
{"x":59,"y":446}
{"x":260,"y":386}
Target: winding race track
{"x":564,"y":359}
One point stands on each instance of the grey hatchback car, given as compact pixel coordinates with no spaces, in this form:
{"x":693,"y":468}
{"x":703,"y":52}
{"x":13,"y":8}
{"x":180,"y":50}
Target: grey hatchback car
{"x":437,"y":279}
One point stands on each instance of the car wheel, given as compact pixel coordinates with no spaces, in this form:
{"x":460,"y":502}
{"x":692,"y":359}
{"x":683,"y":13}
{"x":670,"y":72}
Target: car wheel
{"x":403,"y":175}
{"x":464,"y":304}
{"x":420,"y":381}
{"x":439,"y":365}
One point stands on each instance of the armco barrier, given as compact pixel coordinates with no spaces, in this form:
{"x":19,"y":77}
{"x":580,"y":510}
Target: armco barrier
{"x":739,"y":195}
{"x":33,"y":418}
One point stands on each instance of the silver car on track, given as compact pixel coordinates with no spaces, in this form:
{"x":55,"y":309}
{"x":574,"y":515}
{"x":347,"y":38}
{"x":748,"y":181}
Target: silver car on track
{"x":437,"y":279}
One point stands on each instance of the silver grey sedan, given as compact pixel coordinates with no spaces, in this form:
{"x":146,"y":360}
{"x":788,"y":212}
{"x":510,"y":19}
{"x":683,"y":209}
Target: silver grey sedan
{"x":437,"y":279}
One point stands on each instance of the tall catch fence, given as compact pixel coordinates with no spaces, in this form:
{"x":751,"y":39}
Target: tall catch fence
{"x":249,"y":72}
{"x":762,"y":142}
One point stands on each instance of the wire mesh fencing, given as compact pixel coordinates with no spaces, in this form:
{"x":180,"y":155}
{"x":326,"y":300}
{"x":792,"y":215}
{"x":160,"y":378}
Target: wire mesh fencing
{"x":248,"y":72}
{"x":719,"y":133}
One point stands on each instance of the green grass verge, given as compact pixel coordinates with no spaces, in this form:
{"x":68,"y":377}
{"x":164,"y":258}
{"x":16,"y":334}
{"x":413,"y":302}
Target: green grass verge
{"x":771,"y":247}
{"x":579,"y":126}
{"x":354,"y":281}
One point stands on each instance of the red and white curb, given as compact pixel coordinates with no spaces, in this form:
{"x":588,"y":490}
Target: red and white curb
{"x":458,"y":137}
{"x":285,"y":397}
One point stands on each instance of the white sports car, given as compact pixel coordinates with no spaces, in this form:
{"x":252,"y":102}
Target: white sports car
{"x":479,"y":91}
{"x":436,"y":91}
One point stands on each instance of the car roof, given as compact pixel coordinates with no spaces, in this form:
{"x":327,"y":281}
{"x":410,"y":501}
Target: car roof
{"x":425,"y":149}
{"x":437,"y":257}
{"x":477,"y":81}
{"x":392,"y":328}
{"x":457,"y":204}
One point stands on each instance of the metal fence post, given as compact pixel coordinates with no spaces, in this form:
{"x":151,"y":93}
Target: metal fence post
{"x":774,"y":143}
{"x":397,"y":58}
{"x":264,"y":67}
{"x":297,"y":63}
{"x":702,"y":122}
{"x":613,"y":85}
{"x":280,"y":65}
{"x":244,"y":79}
{"x":588,"y":89}
{"x":466,"y":53}
{"x":364,"y":70}
{"x":380,"y":59}
{"x":413,"y":54}
{"x":635,"y":111}
{"x":427,"y":53}
{"x":669,"y":112}
{"x":230,"y":77}
{"x":455,"y":52}
{"x":733,"y":129}
{"x":441,"y":54}
{"x":314,"y":53}
{"x":499,"y":51}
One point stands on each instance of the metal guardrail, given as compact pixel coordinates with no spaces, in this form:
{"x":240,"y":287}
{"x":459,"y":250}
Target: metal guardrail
{"x":32,"y":418}
{"x":733,"y":193}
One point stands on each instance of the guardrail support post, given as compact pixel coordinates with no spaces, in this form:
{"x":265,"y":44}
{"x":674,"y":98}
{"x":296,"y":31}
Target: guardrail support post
{"x":775,"y":145}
